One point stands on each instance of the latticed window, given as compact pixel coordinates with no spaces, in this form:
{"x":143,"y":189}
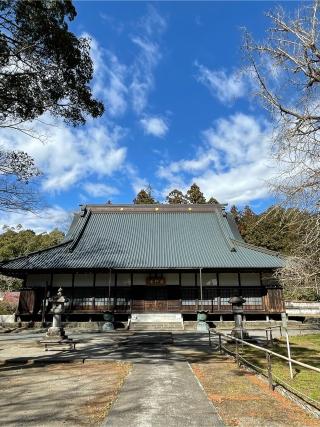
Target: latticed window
{"x":189,"y":296}
{"x":253,"y":301}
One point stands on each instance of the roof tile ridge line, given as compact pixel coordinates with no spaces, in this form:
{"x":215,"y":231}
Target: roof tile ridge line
{"x":76,"y":238}
{"x":2,"y":263}
{"x":258,"y":248}
{"x":224,"y":234}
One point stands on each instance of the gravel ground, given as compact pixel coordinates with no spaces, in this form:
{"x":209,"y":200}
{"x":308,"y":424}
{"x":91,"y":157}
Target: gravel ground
{"x":52,"y":395}
{"x":75,"y":394}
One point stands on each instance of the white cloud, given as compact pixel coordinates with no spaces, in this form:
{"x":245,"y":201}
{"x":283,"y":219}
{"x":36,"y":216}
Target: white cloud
{"x":137,"y":182}
{"x":153,"y":22}
{"x":46,"y":220}
{"x":115,"y":24}
{"x":156,"y":126}
{"x":225,"y":87}
{"x":109,"y":81}
{"x":147,"y":41}
{"x":96,"y":189}
{"x":142,"y":72}
{"x":116,"y":82}
{"x":70,"y":155}
{"x":232,"y":164}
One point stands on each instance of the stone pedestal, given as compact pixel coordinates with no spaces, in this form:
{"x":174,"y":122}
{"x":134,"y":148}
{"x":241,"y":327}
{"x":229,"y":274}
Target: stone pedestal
{"x":108,"y":316}
{"x":56,"y":331}
{"x":240,"y":333}
{"x":108,"y":326}
{"x":202,"y":326}
{"x":237,"y":307}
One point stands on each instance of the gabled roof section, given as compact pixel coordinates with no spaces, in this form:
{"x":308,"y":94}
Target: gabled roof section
{"x":149,"y":237}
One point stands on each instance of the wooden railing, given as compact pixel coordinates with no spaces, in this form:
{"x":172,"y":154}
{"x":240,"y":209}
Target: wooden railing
{"x":273,"y":380}
{"x":97,"y":304}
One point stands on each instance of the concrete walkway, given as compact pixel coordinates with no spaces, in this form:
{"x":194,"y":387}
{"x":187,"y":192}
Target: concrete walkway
{"x":163,"y":394}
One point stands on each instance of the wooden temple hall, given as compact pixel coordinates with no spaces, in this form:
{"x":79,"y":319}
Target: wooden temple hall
{"x":147,"y":259}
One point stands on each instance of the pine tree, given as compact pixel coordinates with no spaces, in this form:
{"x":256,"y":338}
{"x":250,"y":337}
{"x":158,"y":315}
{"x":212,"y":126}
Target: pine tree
{"x":194,"y":195}
{"x":247,"y":223}
{"x":144,"y":197}
{"x":212,"y":201}
{"x":235,"y":213}
{"x":176,"y":197}
{"x":277,"y":229}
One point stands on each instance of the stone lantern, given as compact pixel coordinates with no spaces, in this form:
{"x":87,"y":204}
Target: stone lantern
{"x":56,"y":331}
{"x":237,"y":308}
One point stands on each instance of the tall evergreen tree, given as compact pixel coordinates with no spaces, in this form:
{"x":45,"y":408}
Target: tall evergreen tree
{"x":212,"y":201}
{"x":194,"y":195}
{"x":176,"y":197}
{"x":44,"y":66}
{"x":144,"y":197}
{"x":235,"y":213}
{"x":247,"y":223}
{"x":276,"y":228}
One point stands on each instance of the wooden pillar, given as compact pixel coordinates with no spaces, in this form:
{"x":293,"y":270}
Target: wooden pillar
{"x":180,"y":291}
{"x":260,"y":275}
{"x":197,"y":291}
{"x":115,"y":290}
{"x":94,"y":291}
{"x":218,"y":292}
{"x":51,"y":283}
{"x":265,"y":297}
{"x":44,"y":305}
{"x":72,"y":290}
{"x":239,"y":282}
{"x":130,"y":296}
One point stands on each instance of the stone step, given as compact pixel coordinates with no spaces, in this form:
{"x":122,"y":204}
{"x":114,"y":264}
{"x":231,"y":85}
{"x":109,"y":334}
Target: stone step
{"x":156,"y":318}
{"x":158,"y":326}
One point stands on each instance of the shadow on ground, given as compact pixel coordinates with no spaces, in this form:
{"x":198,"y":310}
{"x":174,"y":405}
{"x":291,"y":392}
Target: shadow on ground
{"x":138,"y":347}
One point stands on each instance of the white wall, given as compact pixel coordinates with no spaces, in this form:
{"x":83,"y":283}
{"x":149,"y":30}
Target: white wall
{"x":62,"y":280}
{"x":171,"y":278}
{"x":250,"y":279}
{"x":228,"y":279}
{"x":102,"y":279}
{"x":208,"y":279}
{"x":38,"y":280}
{"x":188,"y":279}
{"x":124,"y":279}
{"x":83,"y":280}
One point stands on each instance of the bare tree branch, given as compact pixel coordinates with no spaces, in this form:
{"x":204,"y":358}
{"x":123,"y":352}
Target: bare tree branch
{"x":286,"y":67}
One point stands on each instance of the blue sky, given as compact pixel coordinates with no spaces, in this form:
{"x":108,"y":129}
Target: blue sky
{"x":178,"y":110}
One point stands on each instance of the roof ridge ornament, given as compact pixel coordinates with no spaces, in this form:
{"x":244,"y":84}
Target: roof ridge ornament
{"x":83,"y":210}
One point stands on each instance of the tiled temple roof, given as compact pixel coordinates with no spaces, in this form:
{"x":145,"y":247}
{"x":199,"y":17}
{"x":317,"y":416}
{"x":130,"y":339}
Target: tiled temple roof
{"x":149,"y":237}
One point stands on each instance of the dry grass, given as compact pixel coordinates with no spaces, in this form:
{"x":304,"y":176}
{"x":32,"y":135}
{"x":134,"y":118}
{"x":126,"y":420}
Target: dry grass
{"x":68,"y":394}
{"x":243,"y":399}
{"x":304,"y":348}
{"x":96,"y":409}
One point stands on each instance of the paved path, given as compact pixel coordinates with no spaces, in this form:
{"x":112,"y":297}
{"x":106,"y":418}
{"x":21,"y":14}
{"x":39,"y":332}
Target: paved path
{"x":163,"y":395}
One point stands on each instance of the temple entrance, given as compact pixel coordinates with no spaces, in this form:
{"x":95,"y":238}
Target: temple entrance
{"x":156,"y":299}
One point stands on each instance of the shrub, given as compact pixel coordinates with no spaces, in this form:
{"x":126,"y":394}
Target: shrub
{"x":7,"y":308}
